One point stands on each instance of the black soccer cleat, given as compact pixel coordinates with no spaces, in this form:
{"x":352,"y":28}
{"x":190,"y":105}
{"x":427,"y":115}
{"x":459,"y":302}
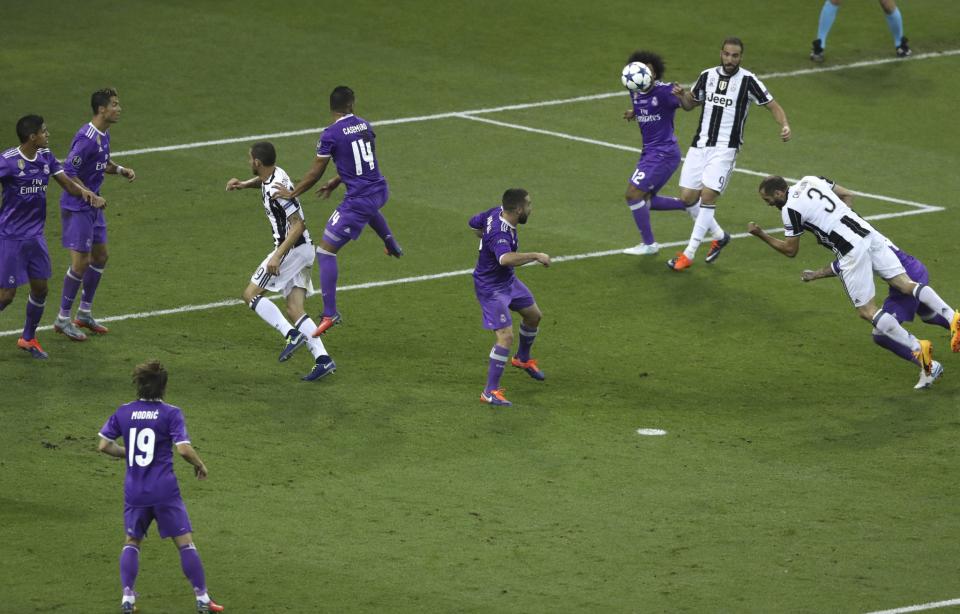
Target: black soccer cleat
{"x":816,"y":54}
{"x":715,"y":248}
{"x":903,"y":50}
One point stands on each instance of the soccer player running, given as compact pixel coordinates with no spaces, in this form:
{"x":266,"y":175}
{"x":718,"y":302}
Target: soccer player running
{"x":904,"y":308}
{"x":819,"y":205}
{"x":499,"y":291}
{"x":84,"y":227}
{"x":25,"y":172}
{"x":654,"y":112}
{"x":287,"y":268}
{"x":350,"y":141}
{"x":726,"y":92}
{"x":151,"y":429}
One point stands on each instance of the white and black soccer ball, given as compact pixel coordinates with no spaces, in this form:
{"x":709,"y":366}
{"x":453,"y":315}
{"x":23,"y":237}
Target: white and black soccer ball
{"x":636,"y":77}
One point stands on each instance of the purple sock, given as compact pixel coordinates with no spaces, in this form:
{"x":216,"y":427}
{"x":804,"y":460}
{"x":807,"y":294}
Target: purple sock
{"x":498,"y":359}
{"x":71,"y":283}
{"x":34,"y":313}
{"x":641,"y":215}
{"x":328,"y":282}
{"x":380,"y":226}
{"x":91,"y":279}
{"x":666,"y":203}
{"x":933,"y":318}
{"x":129,"y":566}
{"x":900,"y":350}
{"x":527,"y":337}
{"x":193,"y":568}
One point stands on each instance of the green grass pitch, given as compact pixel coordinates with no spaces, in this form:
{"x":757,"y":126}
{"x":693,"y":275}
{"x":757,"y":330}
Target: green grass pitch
{"x":800,"y":471}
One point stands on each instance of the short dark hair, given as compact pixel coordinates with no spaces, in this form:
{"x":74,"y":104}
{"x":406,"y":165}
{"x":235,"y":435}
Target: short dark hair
{"x":27,"y":125}
{"x":340,"y":98}
{"x":101,"y":98}
{"x":265,"y":152}
{"x":772,"y":184}
{"x":150,"y":378}
{"x":652,"y":60}
{"x":513,"y":198}
{"x":732,"y":40}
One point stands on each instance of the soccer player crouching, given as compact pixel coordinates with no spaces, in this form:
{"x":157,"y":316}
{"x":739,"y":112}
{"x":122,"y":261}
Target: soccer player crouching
{"x":819,"y":205}
{"x":499,"y":291}
{"x":287,"y":268}
{"x":150,"y":429}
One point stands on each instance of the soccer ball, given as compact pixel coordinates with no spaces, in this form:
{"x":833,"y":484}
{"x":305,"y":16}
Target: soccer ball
{"x":636,"y":77}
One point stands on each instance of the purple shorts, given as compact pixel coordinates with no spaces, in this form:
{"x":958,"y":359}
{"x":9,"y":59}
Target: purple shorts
{"x":654,"y":170}
{"x":22,"y":260}
{"x":349,"y":218}
{"x":83,"y":229}
{"x":905,"y":306}
{"x":172,"y":519}
{"x":496,"y":305}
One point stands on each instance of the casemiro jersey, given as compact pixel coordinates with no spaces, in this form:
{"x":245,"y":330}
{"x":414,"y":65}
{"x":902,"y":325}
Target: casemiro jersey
{"x":726,"y":101}
{"x":813,"y":205}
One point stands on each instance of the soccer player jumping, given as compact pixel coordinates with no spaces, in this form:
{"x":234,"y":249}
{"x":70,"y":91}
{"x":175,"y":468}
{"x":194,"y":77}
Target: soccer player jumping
{"x":150,"y":429}
{"x":499,"y":291}
{"x":350,"y":141}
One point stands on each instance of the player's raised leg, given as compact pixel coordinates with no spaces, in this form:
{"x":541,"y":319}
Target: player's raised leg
{"x":529,"y":327}
{"x":380,"y":226}
{"x":929,"y":298}
{"x":271,"y":314}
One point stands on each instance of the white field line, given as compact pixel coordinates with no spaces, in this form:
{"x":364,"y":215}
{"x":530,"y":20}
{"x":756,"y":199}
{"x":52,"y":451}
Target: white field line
{"x":431,"y":277}
{"x":933,"y":605}
{"x":515,"y":107}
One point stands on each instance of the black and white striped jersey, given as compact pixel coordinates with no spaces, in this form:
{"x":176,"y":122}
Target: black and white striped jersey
{"x":812,"y":205}
{"x":280,"y":209}
{"x":726,"y":101}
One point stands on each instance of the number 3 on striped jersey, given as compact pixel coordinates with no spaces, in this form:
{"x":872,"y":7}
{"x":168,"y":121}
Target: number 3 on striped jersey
{"x":363,"y":152}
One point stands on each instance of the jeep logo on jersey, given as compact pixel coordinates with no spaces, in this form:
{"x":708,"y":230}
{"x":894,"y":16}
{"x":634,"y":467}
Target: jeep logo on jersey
{"x":717,"y":99}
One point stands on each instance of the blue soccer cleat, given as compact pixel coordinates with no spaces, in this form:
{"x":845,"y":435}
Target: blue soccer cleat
{"x":530,"y":366}
{"x":324,"y":367}
{"x":295,"y":339}
{"x":495,"y":397}
{"x":33,"y":347}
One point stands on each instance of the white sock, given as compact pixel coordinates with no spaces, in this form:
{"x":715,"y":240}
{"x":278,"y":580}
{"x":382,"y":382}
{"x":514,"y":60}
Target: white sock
{"x":204,"y":598}
{"x":888,"y":325}
{"x":694,"y":211}
{"x":266,"y":309}
{"x":704,"y":222}
{"x":926,"y":295}
{"x":306,"y":326}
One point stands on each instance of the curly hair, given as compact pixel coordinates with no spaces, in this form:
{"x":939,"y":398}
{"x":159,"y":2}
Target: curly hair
{"x":652,"y":60}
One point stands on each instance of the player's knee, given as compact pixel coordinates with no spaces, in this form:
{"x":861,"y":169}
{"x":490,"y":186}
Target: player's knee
{"x":100,"y":260}
{"x":533,"y":320}
{"x":295,"y":312}
{"x":505,"y":339}
{"x":249,"y":294}
{"x":634,"y":193}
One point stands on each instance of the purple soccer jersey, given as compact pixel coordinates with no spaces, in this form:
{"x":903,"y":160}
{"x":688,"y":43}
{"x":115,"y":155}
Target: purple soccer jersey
{"x":499,"y":238}
{"x":149,"y":429}
{"x":350,"y":141}
{"x":87,"y":161}
{"x":23,"y":209}
{"x":654,"y":111}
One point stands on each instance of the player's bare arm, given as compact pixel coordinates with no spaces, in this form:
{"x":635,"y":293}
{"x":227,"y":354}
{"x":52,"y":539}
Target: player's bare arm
{"x":190,"y":455}
{"x":295,"y":228}
{"x":522,"y":258}
{"x":820,"y":273}
{"x":780,"y":115}
{"x":687,"y":101}
{"x":115,"y":169}
{"x":788,"y":247}
{"x":312,"y":177}
{"x":845,"y":195}
{"x":629,"y":114}
{"x":111,"y":448}
{"x":72,"y":187}
{"x":236,"y":184}
{"x":325,"y":190}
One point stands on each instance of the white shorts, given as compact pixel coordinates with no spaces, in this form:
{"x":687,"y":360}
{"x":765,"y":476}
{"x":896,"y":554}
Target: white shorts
{"x":871,"y":255}
{"x":295,"y":271}
{"x":708,"y":167}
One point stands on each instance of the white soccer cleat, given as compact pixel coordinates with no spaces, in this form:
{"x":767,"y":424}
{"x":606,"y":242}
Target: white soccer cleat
{"x":936,"y":372}
{"x":642,"y":249}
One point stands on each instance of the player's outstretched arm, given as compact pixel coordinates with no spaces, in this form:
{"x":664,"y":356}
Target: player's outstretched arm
{"x":111,"y":448}
{"x":788,"y":247}
{"x":236,"y":184}
{"x":820,"y":273}
{"x":312,"y":177}
{"x":687,"y":101}
{"x":190,"y":455}
{"x":780,"y":115}
{"x":72,"y":187}
{"x":521,"y":258}
{"x":328,"y":187}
